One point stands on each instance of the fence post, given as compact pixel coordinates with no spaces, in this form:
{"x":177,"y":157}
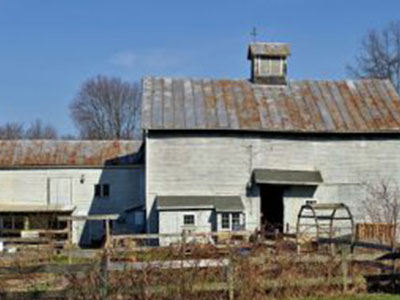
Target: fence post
{"x":230,"y":279}
{"x":344,"y":267}
{"x":105,"y":289}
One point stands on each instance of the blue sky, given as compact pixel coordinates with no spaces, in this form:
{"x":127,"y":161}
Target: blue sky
{"x":49,"y":47}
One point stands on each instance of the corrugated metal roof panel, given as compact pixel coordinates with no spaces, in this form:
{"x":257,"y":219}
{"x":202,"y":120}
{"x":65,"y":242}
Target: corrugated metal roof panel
{"x":18,"y":153}
{"x":300,"y":106}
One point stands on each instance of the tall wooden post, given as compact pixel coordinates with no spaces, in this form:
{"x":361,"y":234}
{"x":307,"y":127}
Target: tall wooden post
{"x":107,"y":244}
{"x":230,"y":280}
{"x":344,"y":267}
{"x":69,"y":228}
{"x":69,"y":242}
{"x":26,"y":223}
{"x":105,"y":287}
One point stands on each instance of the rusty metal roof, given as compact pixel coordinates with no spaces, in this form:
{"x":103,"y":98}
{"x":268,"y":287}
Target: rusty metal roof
{"x":301,"y":106}
{"x":268,"y":49}
{"x":25,"y":153}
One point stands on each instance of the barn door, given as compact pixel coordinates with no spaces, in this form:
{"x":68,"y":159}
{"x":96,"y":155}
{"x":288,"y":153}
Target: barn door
{"x":60,"y":191}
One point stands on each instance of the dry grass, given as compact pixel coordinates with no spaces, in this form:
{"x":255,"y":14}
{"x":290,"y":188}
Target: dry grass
{"x":258,"y":274}
{"x":255,"y":273}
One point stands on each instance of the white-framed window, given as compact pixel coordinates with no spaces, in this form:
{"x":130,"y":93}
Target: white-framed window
{"x":225,"y":221}
{"x":235,"y":221}
{"x":272,"y":66}
{"x":189,"y":220}
{"x":102,"y":190}
{"x":232,"y":221}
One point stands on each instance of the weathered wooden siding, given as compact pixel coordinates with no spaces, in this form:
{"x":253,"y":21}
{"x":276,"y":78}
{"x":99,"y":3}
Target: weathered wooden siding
{"x":30,"y":186}
{"x":172,"y":222}
{"x":222,"y":165}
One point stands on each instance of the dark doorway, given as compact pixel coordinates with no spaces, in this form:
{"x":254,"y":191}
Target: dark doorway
{"x":272,"y":207}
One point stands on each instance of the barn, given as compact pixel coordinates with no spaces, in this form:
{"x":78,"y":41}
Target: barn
{"x":217,"y":155}
{"x":225,"y":154}
{"x":41,"y":180}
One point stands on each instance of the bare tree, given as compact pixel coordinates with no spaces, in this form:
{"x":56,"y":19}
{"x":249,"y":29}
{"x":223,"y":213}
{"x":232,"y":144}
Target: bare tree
{"x":379,"y":55}
{"x":39,"y":130}
{"x":68,"y":137}
{"x":382,"y":205}
{"x":106,"y":108}
{"x":12,"y":131}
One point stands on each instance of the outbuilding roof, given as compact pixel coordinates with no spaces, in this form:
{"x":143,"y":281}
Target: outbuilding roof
{"x":292,"y":177}
{"x":351,"y":106}
{"x":218,"y":203}
{"x":25,"y":153}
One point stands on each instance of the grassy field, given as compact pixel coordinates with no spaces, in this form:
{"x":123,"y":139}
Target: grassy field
{"x":361,"y":297}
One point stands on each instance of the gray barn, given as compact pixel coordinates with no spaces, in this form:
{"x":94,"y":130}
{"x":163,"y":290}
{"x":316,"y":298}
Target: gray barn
{"x":268,"y":144}
{"x":218,"y":155}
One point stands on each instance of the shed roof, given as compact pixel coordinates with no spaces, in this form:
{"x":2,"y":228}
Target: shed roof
{"x":219,"y":203}
{"x":29,"y":207}
{"x":292,"y":177}
{"x":300,"y":106}
{"x":25,"y":153}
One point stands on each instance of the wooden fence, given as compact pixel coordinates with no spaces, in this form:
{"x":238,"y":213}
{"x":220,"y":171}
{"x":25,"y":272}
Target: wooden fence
{"x":227,"y":286}
{"x":379,"y":232}
{"x":134,"y":240}
{"x":345,"y":260}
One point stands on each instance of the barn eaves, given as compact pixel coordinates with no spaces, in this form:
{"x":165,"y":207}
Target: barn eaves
{"x":217,"y":203}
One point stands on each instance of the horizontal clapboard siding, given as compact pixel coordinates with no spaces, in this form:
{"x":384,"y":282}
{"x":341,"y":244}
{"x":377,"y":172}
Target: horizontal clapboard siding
{"x":216,"y":165}
{"x":30,"y":187}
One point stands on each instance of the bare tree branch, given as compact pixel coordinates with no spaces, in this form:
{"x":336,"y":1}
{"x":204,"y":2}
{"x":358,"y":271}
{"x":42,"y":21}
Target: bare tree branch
{"x":106,"y":108}
{"x":38,"y":130}
{"x":382,"y":204}
{"x":379,"y":55}
{"x":12,"y":131}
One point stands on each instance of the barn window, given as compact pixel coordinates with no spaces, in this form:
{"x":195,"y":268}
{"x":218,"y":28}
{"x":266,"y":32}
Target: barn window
{"x":106,"y":190}
{"x":188,"y":220}
{"x":101,"y":190}
{"x":225,"y":222}
{"x":235,"y":221}
{"x":97,"y":190}
{"x":8,"y":223}
{"x":231,"y":221}
{"x":271,"y":67}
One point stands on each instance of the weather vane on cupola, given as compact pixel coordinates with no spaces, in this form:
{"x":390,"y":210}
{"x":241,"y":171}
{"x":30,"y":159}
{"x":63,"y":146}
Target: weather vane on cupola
{"x":254,"y":34}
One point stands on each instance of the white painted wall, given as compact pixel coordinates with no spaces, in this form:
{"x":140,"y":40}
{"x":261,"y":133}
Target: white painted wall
{"x":211,"y":165}
{"x":30,"y":186}
{"x":172,"y":222}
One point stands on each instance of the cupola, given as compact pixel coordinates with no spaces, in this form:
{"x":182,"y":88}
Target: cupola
{"x":268,"y":62}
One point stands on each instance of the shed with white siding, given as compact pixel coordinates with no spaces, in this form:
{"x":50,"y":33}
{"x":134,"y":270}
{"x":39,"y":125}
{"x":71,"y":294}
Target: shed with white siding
{"x":40,"y":180}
